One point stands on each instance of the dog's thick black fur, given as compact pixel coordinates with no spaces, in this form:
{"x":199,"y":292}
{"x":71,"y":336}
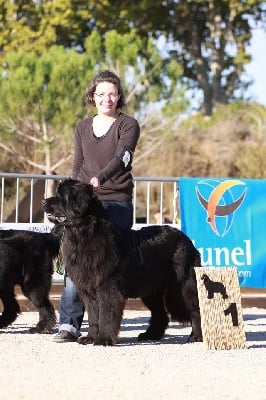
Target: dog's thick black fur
{"x":26,"y":259}
{"x":213,"y":287}
{"x":108,"y":265}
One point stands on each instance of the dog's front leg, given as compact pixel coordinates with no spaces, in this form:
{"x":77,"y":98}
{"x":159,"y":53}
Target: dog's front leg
{"x":111,"y":307}
{"x":92,"y":308}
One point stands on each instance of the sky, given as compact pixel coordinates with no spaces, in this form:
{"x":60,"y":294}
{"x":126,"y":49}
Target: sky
{"x":257,"y":68}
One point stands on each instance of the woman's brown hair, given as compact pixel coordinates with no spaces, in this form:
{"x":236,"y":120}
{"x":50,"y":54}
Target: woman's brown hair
{"x":105,"y":76}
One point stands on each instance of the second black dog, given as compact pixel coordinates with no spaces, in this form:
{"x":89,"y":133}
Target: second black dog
{"x":26,"y":259}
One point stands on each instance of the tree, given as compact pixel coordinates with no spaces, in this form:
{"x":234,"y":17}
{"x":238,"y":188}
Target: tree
{"x":41,"y":101}
{"x":43,"y":93}
{"x":35,"y":25}
{"x":208,"y":38}
{"x":214,"y":36}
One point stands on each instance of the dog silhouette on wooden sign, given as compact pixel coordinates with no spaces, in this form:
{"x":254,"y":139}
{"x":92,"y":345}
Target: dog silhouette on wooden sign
{"x":213,"y":287}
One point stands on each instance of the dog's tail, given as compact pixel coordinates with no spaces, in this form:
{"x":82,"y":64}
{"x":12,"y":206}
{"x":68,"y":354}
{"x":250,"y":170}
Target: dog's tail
{"x":175,"y":304}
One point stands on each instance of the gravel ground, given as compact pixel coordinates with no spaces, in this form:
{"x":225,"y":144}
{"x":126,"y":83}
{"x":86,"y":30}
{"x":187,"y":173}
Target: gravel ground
{"x":34,"y":367}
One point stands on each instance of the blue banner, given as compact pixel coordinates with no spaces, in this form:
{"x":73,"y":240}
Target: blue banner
{"x":226,"y":220}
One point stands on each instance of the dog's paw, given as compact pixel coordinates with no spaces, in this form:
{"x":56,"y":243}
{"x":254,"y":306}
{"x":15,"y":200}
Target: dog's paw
{"x":85,"y":340}
{"x":143,"y":337}
{"x":103,"y":341}
{"x":194,"y":339}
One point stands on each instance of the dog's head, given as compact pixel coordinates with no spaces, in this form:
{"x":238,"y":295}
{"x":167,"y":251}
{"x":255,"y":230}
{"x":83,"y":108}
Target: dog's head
{"x":204,"y":277}
{"x":72,"y":202}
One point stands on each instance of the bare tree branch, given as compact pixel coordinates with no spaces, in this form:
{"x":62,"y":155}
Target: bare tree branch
{"x":62,"y":161}
{"x":13,"y":128}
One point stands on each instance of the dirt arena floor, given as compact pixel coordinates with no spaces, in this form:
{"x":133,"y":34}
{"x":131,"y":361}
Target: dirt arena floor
{"x":33,"y":367}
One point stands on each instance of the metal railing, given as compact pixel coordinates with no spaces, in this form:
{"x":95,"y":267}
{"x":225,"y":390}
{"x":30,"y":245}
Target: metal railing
{"x":21,"y":195}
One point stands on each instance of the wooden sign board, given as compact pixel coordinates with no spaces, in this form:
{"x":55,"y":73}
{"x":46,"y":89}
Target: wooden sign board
{"x":220,"y":308}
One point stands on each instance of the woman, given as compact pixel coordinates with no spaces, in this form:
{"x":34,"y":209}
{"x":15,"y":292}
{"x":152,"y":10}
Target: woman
{"x":103,"y":152}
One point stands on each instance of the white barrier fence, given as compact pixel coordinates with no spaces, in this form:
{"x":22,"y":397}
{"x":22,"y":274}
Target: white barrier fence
{"x":155,"y":200}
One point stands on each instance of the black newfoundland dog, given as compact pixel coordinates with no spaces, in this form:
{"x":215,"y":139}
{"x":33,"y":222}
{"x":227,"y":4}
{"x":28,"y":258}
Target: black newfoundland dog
{"x":109,"y":265}
{"x":26,"y":259}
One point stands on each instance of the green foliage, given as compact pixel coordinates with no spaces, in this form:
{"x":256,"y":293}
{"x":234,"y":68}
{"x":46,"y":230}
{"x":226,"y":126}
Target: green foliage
{"x":42,"y":101}
{"x":43,"y":92}
{"x":50,"y":50}
{"x":38,"y":25}
{"x":44,"y":86}
{"x":208,"y":38}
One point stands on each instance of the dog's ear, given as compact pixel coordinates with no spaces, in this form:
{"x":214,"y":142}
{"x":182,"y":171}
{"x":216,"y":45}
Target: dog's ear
{"x":85,"y":187}
{"x":81,"y":194}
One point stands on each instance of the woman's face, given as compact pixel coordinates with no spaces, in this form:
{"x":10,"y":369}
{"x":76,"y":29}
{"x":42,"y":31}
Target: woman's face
{"x":106,"y":98}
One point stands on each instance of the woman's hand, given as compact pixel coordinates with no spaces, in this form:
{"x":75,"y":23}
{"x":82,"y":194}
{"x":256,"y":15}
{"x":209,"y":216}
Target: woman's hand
{"x":95,"y":183}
